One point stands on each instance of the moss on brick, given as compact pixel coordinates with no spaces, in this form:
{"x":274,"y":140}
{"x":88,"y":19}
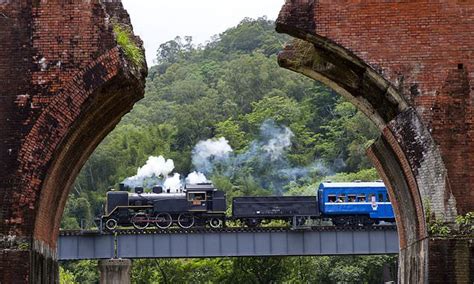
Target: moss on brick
{"x":130,"y":48}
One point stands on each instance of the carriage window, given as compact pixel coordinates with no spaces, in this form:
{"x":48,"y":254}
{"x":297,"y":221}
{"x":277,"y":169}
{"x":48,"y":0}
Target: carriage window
{"x":196,"y":196}
{"x":372,"y":197}
{"x":388,"y":198}
{"x":381,"y":197}
{"x":341,"y":198}
{"x":331,"y":198}
{"x":351,"y":198}
{"x":361,"y":198}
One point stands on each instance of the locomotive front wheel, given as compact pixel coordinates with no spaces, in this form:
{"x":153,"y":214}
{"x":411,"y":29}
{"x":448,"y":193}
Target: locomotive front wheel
{"x":185,"y":220}
{"x":215,"y":223}
{"x":140,"y":221}
{"x":111,"y":224}
{"x":163,"y":220}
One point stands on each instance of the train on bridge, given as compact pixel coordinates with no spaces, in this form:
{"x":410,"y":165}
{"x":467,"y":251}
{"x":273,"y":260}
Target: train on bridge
{"x":344,"y":204}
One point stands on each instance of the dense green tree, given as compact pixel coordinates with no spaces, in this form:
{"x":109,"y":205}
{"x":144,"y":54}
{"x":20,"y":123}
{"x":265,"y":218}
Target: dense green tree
{"x":66,"y":277}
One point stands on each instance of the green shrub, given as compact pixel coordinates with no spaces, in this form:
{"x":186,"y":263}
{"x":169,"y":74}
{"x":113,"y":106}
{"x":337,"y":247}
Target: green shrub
{"x":125,"y":41}
{"x":466,"y":223}
{"x":436,"y":227}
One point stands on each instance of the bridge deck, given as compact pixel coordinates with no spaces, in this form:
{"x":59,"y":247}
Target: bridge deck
{"x":228,"y":242}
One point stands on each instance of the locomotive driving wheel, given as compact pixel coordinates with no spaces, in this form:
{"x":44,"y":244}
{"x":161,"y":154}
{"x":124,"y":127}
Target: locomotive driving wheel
{"x":185,"y":220}
{"x":140,"y":221}
{"x":215,"y":223}
{"x":163,"y":220}
{"x":252,"y":222}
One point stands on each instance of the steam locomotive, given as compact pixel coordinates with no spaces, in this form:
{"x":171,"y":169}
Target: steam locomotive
{"x":355,"y":203}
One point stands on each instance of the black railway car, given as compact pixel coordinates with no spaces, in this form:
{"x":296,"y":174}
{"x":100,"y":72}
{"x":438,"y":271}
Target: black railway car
{"x":294,"y":209}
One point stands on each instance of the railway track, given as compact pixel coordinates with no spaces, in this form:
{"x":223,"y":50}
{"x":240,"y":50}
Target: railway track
{"x":198,"y":230}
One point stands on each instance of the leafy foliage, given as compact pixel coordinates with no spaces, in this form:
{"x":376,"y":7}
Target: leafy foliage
{"x":436,"y":226}
{"x":227,"y":88}
{"x":124,"y":39}
{"x":66,"y":277}
{"x":466,"y":223}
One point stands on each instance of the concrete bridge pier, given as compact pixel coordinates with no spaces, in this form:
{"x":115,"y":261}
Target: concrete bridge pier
{"x":115,"y":271}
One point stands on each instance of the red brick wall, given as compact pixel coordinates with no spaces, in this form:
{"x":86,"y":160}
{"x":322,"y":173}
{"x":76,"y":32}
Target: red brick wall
{"x":451,"y":260}
{"x":409,"y":66}
{"x":61,"y":74}
{"x":41,"y":49}
{"x":425,"y":49}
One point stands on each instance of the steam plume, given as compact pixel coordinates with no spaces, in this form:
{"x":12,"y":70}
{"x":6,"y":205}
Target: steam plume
{"x":265,"y":160}
{"x":155,"y":169}
{"x":207,"y":152}
{"x":195,"y":178}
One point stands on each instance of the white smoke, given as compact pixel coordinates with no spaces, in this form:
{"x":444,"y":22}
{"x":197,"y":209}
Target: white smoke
{"x":173,"y":183}
{"x":265,"y":159}
{"x":195,"y":178}
{"x":279,"y":142}
{"x":208,"y":151}
{"x":155,"y":169}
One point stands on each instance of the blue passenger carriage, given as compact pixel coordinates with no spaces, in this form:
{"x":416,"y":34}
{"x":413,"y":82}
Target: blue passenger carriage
{"x":353,"y":203}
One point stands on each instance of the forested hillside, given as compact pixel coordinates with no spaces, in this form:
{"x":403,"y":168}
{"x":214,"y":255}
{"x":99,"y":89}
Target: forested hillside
{"x":232,"y":87}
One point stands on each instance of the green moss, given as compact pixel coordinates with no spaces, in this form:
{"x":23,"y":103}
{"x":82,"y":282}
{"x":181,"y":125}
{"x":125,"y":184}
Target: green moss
{"x":24,"y":246}
{"x":125,"y":41}
{"x":303,"y":54}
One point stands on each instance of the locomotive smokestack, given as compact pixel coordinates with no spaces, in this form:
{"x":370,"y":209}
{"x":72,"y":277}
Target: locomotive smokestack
{"x":122,"y":187}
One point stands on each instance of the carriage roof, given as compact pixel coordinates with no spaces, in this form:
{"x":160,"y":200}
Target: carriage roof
{"x":351,"y":185}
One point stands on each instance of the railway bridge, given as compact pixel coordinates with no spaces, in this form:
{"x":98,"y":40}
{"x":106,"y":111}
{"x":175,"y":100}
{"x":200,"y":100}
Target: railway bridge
{"x":227,"y":242}
{"x":114,"y":250}
{"x":408,"y":65}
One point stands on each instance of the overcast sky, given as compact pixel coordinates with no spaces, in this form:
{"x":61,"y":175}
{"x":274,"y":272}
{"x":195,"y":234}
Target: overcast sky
{"x":157,"y":21}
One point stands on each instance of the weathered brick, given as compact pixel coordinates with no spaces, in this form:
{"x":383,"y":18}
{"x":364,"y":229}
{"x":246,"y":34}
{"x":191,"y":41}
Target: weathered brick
{"x":408,"y":65}
{"x":61,"y":73}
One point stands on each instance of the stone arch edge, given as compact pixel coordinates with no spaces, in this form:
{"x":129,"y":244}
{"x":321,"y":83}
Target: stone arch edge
{"x":406,"y":141}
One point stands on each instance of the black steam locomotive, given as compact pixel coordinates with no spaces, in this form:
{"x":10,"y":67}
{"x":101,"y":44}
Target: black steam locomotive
{"x":200,"y":205}
{"x":196,"y":205}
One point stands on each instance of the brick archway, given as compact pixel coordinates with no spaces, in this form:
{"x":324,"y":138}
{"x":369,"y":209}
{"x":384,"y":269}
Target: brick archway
{"x":331,"y":64}
{"x":388,"y":80}
{"x":67,"y":84}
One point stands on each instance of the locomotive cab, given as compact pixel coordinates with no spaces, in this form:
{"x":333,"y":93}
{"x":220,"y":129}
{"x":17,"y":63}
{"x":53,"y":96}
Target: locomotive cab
{"x":205,"y":198}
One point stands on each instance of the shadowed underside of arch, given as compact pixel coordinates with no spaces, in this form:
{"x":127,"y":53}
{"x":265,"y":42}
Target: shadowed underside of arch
{"x":405,"y":155}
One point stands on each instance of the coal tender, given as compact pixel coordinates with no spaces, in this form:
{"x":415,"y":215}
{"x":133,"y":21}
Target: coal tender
{"x":294,"y":209}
